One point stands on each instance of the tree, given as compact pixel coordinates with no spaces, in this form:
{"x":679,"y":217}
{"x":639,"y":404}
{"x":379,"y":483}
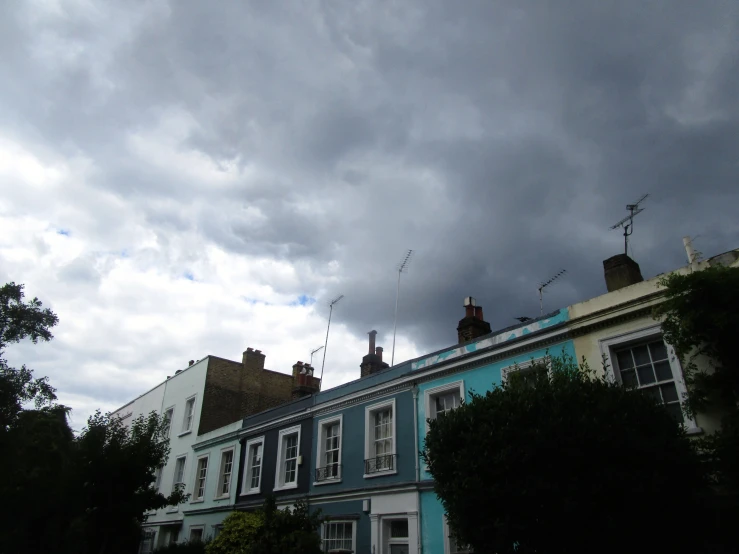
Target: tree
{"x":239,"y":531}
{"x":113,"y":473}
{"x":700,"y":318}
{"x":20,"y":320}
{"x":564,"y":462}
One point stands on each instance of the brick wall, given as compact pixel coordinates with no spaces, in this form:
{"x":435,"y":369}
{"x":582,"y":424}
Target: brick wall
{"x":234,"y":390}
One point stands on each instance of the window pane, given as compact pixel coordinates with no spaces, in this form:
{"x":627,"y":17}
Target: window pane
{"x":675,"y":411}
{"x":628,"y":378}
{"x":658,"y":350}
{"x":663,"y":370}
{"x":641,"y":355}
{"x":399,"y":529}
{"x":653,"y":393}
{"x":646,"y":374}
{"x":669,"y":392}
{"x":624,"y":360}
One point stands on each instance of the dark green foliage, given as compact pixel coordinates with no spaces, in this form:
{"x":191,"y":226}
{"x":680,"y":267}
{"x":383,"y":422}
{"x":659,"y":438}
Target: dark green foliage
{"x":189,"y":547}
{"x":700,"y":317}
{"x":19,"y":319}
{"x":238,"y":532}
{"x":270,"y":531}
{"x":565,"y":462}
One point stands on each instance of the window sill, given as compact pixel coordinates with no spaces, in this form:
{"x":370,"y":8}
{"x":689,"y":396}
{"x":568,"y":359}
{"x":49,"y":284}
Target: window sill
{"x":185,"y":433}
{"x":222,"y":497}
{"x":380,"y":473}
{"x":326,"y":482}
{"x":694,"y":430}
{"x":173,"y":510}
{"x":197,"y":501}
{"x":251,"y":492}
{"x":286,"y":487}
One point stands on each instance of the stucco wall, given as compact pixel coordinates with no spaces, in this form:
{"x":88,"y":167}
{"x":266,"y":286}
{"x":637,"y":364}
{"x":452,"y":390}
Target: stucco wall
{"x":479,"y":380}
{"x":353,"y":441}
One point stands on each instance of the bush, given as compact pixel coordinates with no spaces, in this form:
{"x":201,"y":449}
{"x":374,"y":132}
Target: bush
{"x":189,"y":547}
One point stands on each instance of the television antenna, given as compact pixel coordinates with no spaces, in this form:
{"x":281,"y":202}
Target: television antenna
{"x":402,"y":266}
{"x":313,"y":352}
{"x":628,"y":222}
{"x":541,"y":290}
{"x":325,"y":346}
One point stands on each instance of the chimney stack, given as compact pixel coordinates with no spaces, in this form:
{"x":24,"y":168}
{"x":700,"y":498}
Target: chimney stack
{"x":304,"y":383}
{"x":472,"y":325}
{"x":253,"y":359}
{"x":621,"y":271}
{"x":372,"y":362}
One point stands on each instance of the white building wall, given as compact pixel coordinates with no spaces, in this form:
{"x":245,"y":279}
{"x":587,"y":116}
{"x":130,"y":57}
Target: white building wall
{"x":173,"y":393}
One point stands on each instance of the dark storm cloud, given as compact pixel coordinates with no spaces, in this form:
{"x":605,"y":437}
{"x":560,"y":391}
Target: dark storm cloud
{"x":498,"y":139}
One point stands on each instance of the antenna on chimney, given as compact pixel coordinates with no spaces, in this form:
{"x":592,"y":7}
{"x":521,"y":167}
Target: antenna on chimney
{"x":325,"y":346}
{"x":628,"y":222}
{"x":541,"y":290}
{"x":313,"y":352}
{"x":402,"y":266}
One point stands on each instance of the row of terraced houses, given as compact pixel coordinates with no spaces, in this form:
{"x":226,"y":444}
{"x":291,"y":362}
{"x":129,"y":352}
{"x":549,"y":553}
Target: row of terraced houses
{"x":239,"y":431}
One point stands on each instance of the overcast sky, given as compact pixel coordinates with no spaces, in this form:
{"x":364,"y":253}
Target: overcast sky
{"x":187,"y":178}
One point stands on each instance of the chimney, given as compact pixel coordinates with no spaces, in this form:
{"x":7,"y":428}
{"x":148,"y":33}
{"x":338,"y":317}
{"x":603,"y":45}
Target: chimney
{"x":253,"y":359}
{"x":372,"y":337}
{"x":372,"y":362}
{"x":190,"y":363}
{"x":621,"y":271}
{"x":304,"y":383}
{"x":472,"y":325}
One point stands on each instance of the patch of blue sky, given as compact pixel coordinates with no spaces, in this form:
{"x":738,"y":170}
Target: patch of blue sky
{"x":303,"y":300}
{"x":64,"y":232}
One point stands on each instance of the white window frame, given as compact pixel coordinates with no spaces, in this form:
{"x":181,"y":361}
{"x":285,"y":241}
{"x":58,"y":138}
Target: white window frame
{"x":246,"y":487}
{"x":200,"y":528}
{"x":321,"y":446}
{"x":609,"y":346}
{"x":196,"y":480}
{"x":280,"y":484}
{"x":151,"y":536}
{"x":429,"y":397}
{"x":353,"y":523}
{"x":525,"y":366}
{"x":447,"y":532}
{"x":174,"y":477}
{"x":369,"y":412}
{"x":158,"y":478}
{"x":222,"y":474}
{"x":186,"y":430}
{"x":169,"y":410}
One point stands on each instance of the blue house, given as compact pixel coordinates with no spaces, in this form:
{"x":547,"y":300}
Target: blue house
{"x":353,"y":451}
{"x":477,"y":364}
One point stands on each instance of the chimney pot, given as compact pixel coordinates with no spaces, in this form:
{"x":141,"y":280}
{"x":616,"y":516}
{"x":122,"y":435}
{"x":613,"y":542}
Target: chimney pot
{"x":378,"y":352}
{"x":190,"y":363}
{"x":472,"y":325}
{"x":478,"y":313}
{"x":621,"y":271}
{"x":249,"y":349}
{"x":372,"y":337}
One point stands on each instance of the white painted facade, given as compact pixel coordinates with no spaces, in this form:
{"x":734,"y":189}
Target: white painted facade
{"x":172,"y":394}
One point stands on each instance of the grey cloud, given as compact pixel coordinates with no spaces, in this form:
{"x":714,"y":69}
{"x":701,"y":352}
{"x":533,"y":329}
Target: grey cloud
{"x":499,"y":140}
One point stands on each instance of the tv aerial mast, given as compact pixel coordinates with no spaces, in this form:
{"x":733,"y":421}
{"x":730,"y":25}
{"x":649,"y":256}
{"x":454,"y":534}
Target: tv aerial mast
{"x":628,"y":222}
{"x":402,"y":266}
{"x":325,"y":346}
{"x":541,"y":290}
